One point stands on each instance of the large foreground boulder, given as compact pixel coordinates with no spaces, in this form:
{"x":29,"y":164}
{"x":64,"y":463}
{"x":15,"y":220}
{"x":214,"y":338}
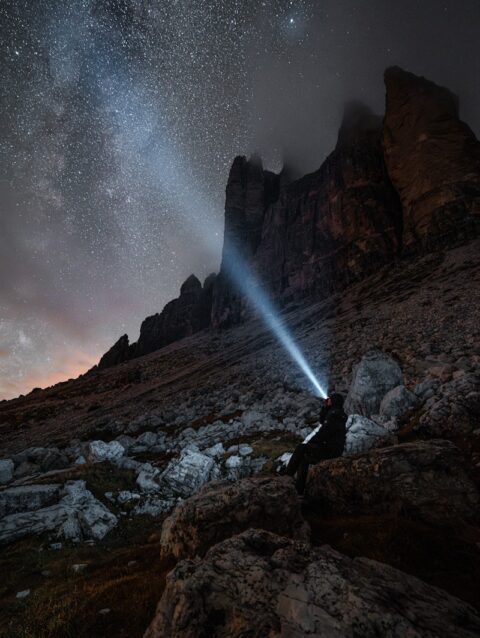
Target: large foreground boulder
{"x":221,"y":510}
{"x":373,"y":377}
{"x":425,"y":479}
{"x":259,"y":584}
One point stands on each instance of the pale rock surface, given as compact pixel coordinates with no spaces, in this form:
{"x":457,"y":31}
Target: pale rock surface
{"x":77,"y":514}
{"x":185,"y":475}
{"x":373,"y":377}
{"x":215,"y":451}
{"x":398,"y":402}
{"x":260,"y":584}
{"x":363,"y":434}
{"x":100,"y":451}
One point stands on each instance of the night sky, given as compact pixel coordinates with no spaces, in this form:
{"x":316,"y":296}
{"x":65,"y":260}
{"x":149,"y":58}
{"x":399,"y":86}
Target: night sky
{"x":119,"y":121}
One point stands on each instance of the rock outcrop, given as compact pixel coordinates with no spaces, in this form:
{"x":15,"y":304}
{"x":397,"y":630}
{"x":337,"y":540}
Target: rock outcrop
{"x":433,"y":160}
{"x":222,"y":510}
{"x":261,"y":584}
{"x":119,"y":352}
{"x":71,"y":511}
{"x":180,"y":318}
{"x":250,"y":191}
{"x":336,"y":225}
{"x":426,"y":479}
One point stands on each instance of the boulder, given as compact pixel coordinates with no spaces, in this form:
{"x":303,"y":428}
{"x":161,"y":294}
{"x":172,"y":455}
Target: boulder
{"x":76,"y":514}
{"x":87,"y":516}
{"x":238,"y":466}
{"x":100,"y":451}
{"x":148,"y":480}
{"x":6,"y":471}
{"x":25,"y":468}
{"x":215,"y":450}
{"x":39,"y":459}
{"x":425,"y":479}
{"x":261,"y":584}
{"x":27,"y":498}
{"x":372,"y":378}
{"x":363,"y":434}
{"x":398,"y":402}
{"x":149,"y":439}
{"x":185,"y":475}
{"x":221,"y":510}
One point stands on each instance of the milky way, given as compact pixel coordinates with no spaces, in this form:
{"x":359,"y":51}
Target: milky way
{"x":119,"y":121}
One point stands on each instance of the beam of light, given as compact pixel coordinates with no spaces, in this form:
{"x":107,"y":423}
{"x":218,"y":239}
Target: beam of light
{"x":141,"y":143}
{"x":244,"y":280}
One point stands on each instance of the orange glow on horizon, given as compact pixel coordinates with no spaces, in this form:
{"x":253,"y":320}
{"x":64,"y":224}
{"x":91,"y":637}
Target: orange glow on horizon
{"x":65,"y":366}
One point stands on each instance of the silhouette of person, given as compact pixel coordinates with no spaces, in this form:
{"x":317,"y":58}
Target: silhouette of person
{"x":327,"y":442}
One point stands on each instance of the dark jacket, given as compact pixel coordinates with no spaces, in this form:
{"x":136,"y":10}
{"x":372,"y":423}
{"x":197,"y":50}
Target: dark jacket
{"x":330,"y":439}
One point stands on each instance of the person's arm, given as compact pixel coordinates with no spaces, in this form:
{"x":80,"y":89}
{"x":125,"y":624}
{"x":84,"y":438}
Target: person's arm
{"x":323,"y":413}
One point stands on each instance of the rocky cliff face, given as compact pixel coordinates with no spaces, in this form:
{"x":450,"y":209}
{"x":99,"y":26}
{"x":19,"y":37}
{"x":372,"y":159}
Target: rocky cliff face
{"x":433,"y":160}
{"x":409,"y":183}
{"x":336,"y":225}
{"x":118,"y":352}
{"x":180,"y":318}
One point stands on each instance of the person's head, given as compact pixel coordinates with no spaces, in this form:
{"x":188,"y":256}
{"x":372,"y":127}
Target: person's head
{"x":335,"y":400}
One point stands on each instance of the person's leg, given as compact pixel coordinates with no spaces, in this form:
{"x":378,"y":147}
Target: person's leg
{"x":302,"y":474}
{"x":295,"y":459}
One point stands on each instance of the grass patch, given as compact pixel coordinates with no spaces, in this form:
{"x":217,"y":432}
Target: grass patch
{"x":272,"y":448}
{"x":99,"y":477}
{"x":125,"y":574}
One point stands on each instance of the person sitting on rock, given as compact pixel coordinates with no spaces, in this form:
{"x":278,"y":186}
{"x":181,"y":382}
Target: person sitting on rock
{"x":325,"y":442}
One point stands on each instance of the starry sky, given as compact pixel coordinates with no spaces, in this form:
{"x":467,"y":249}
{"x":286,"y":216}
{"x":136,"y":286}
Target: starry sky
{"x":120,"y":119}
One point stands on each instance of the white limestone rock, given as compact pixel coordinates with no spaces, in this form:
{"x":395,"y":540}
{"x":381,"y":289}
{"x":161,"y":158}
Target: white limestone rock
{"x":185,"y":475}
{"x":75,"y":514}
{"x":100,"y":451}
{"x":215,"y":451}
{"x":363,"y":434}
{"x":398,"y":402}
{"x":373,"y":377}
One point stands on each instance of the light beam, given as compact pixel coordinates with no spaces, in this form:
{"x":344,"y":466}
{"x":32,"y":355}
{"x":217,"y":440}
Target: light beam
{"x":139,"y":137}
{"x":245,"y":281}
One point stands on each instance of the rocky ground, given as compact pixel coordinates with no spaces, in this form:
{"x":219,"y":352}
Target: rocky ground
{"x":91,"y":468}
